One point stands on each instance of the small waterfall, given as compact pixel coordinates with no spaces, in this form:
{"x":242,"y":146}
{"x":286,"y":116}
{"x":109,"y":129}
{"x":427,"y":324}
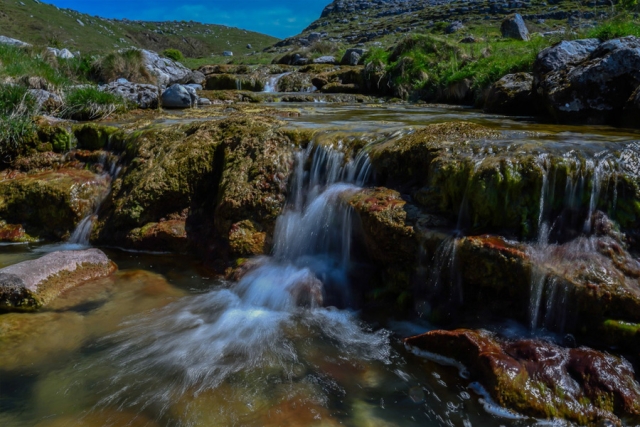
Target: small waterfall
{"x":238,"y":84}
{"x":82,"y":233}
{"x":272,"y":83}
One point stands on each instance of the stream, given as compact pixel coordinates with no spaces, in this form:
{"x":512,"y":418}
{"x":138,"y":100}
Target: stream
{"x":165,"y":343}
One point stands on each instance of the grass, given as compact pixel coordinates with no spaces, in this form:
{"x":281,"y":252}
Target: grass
{"x":620,"y":26}
{"x":90,"y":103}
{"x":17,"y":107}
{"x":128,"y":63}
{"x":174,"y":54}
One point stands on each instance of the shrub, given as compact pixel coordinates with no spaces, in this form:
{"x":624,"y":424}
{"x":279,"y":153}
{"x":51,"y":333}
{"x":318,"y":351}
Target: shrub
{"x":174,"y":54}
{"x":128,"y":64}
{"x":90,"y":103}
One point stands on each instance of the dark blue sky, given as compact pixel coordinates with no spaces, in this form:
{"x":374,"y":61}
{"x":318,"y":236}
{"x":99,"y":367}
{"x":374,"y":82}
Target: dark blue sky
{"x":280,"y":18}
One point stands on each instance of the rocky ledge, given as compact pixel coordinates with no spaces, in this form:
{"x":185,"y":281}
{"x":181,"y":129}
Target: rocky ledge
{"x":30,"y":285}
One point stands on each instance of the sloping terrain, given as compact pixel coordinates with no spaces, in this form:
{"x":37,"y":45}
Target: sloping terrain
{"x":44,"y":24}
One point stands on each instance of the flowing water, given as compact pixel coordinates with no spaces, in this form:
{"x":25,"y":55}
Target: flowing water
{"x":272,"y":83}
{"x":163,"y":344}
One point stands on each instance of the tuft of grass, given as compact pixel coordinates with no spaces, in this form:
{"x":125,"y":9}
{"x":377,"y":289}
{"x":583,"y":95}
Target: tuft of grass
{"x":620,"y":26}
{"x":90,"y":103}
{"x":127,"y":63}
{"x":17,"y":107}
{"x":174,"y":54}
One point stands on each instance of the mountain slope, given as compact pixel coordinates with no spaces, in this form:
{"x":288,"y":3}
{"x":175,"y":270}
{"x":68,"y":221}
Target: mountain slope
{"x":44,"y":24}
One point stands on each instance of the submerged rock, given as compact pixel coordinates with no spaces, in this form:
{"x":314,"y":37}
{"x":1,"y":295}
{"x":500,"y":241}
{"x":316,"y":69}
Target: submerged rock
{"x":30,"y":285}
{"x":539,"y":378}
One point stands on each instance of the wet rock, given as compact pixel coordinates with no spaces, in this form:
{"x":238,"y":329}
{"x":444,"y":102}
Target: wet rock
{"x":30,"y":285}
{"x":541,"y":379}
{"x":247,"y":239}
{"x":598,"y":88}
{"x":179,"y":96}
{"x":513,"y":27}
{"x":50,"y":204}
{"x":145,"y":96}
{"x":166,"y":236}
{"x":92,"y":136}
{"x":295,"y":82}
{"x":511,"y":95}
{"x":341,"y":88}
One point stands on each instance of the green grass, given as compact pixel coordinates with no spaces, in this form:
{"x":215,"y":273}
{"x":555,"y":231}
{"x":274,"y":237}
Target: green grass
{"x":174,"y":54}
{"x":127,"y":63}
{"x":620,"y":26}
{"x":45,"y":25}
{"x":17,"y":107}
{"x":90,"y":103}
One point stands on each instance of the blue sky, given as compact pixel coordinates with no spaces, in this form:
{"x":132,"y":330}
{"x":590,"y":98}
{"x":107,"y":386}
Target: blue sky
{"x":280,"y":18}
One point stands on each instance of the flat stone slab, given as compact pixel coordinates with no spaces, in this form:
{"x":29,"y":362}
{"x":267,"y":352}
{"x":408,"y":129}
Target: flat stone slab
{"x":30,"y":285}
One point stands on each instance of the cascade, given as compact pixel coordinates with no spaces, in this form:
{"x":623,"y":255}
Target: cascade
{"x":272,"y":84}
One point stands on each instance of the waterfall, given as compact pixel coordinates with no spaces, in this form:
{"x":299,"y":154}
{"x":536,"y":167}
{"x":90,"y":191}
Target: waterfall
{"x":272,"y":84}
{"x":238,"y":84}
{"x":198,"y":342}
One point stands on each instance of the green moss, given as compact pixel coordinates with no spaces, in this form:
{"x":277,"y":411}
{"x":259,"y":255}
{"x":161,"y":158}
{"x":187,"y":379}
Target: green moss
{"x":92,"y":136}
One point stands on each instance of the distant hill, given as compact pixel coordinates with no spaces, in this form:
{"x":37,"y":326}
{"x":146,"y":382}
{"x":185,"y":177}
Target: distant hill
{"x":43,"y":24}
{"x":362,"y":21}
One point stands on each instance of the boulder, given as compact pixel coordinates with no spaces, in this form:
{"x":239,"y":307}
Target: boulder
{"x":513,"y":27}
{"x":352,"y":56}
{"x":165,"y":70}
{"x":511,"y":95}
{"x":143,"y":95}
{"x":454,"y":27}
{"x":166,"y":236}
{"x":331,"y":60}
{"x":631,"y":113}
{"x":597,"y":89}
{"x":30,"y":285}
{"x":13,"y":42}
{"x":46,"y":100}
{"x":194,"y":77}
{"x":204,"y":102}
{"x":563,"y":54}
{"x":539,"y":378}
{"x":179,"y":96}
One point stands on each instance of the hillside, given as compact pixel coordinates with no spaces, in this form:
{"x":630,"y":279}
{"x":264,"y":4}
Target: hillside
{"x":44,"y":24}
{"x":363,"y":21}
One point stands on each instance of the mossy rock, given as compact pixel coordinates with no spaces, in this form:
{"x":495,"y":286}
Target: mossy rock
{"x":58,"y":137}
{"x":93,"y":136}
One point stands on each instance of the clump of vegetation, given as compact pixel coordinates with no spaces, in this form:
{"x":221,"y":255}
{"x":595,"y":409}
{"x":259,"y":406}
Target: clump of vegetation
{"x":17,"y":107}
{"x":174,"y":54}
{"x":621,"y":25}
{"x":90,"y":103}
{"x":128,"y":64}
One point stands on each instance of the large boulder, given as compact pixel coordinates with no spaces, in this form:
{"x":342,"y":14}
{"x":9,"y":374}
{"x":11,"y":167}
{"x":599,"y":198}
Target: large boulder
{"x":513,"y":27}
{"x":179,"y":96}
{"x":33,"y":284}
{"x":143,"y":95}
{"x":598,"y":88}
{"x":165,"y":70}
{"x":352,"y":56}
{"x":539,"y":378}
{"x":512,"y":95}
{"x":563,"y":54}
{"x":13,"y":42}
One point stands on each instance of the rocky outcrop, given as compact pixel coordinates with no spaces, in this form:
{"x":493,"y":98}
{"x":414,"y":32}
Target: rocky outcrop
{"x":30,"y":285}
{"x":165,"y":70}
{"x":50,"y":204}
{"x":352,"y":56}
{"x":563,"y":54}
{"x":596,"y":89}
{"x":511,"y":95}
{"x":538,"y":378}
{"x":513,"y":27}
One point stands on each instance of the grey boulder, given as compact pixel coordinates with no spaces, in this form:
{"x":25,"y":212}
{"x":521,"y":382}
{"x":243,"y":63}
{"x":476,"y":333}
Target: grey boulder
{"x":331,"y":60}
{"x":166,"y":71}
{"x":513,"y":27}
{"x":352,"y":56}
{"x":560,"y":55}
{"x":179,"y":96}
{"x":30,"y":285}
{"x":143,"y":95}
{"x":511,"y":95}
{"x":13,"y":42}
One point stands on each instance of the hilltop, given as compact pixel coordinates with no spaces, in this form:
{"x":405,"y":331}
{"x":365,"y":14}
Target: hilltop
{"x":44,"y":24}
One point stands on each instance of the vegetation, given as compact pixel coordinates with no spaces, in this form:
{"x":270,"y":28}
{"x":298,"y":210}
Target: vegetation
{"x":174,"y":54}
{"x":128,"y":64}
{"x":90,"y":103}
{"x":16,"y":126}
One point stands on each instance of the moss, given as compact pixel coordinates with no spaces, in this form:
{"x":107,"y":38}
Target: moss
{"x":92,"y":136}
{"x":60,"y":138}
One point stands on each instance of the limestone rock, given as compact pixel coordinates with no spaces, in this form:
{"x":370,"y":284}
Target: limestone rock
{"x":513,"y":27}
{"x":352,"y":56}
{"x":179,"y":96}
{"x":166,"y":71}
{"x":30,"y":285}
{"x":325,"y":60}
{"x":143,"y":95}
{"x":13,"y":42}
{"x":565,"y":53}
